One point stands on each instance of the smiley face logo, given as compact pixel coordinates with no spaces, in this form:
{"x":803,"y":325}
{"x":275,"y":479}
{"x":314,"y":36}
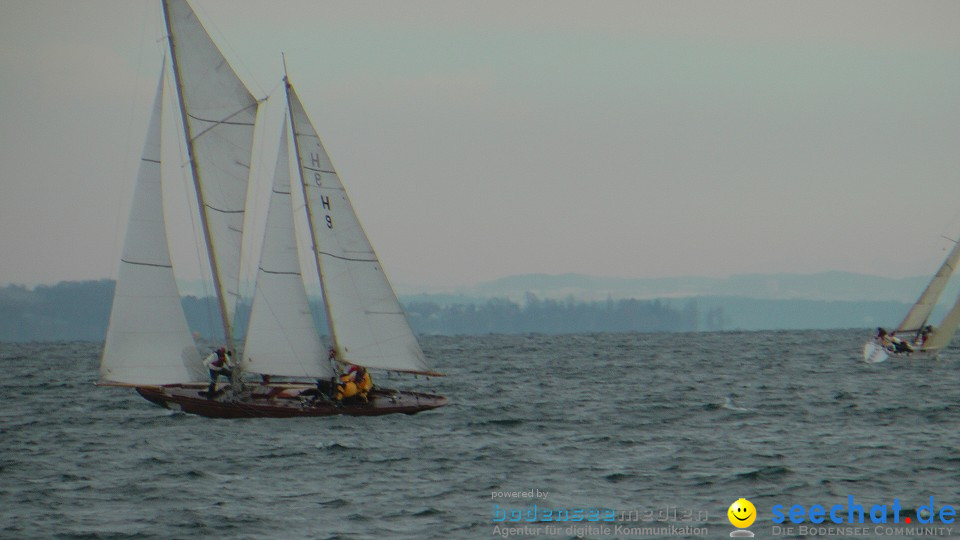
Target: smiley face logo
{"x":742,"y":513}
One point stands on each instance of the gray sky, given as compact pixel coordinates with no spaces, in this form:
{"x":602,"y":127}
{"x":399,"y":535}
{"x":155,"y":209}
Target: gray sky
{"x":482,"y":139}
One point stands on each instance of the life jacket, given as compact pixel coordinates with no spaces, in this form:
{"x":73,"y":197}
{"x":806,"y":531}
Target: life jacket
{"x":365,"y":384}
{"x":346,"y":390}
{"x":349,"y":385}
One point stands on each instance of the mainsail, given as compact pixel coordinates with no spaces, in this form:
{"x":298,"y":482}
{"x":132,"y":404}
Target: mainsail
{"x":282,"y":336}
{"x":367,"y":324}
{"x":148,"y":340}
{"x":218,"y":115}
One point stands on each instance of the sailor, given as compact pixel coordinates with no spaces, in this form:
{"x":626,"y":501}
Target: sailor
{"x":925,"y":334}
{"x":355,"y":382}
{"x":898,"y":344}
{"x":363,"y":382}
{"x":217,"y":363}
{"x":347,"y":388}
{"x":882,"y":339}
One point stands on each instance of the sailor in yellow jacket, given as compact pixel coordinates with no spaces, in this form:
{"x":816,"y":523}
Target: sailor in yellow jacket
{"x":355,"y":382}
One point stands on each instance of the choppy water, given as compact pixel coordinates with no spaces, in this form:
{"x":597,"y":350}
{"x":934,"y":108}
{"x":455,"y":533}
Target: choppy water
{"x":632,"y":422}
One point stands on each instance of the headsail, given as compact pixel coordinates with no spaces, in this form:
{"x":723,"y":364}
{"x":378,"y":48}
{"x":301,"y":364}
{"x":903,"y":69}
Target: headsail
{"x":941,"y":335}
{"x":367,"y":324}
{"x":218,"y":113}
{"x":148,"y":340}
{"x":282,"y":337}
{"x":919,"y":314}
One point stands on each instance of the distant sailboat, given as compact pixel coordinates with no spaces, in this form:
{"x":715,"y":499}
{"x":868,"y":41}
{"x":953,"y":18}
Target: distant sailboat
{"x":915,"y":336}
{"x":149,"y":345}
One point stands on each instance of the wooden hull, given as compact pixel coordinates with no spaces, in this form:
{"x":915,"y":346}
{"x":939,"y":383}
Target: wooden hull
{"x":284,"y":401}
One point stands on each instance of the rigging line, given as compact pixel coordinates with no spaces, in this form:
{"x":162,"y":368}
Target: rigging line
{"x":278,"y":272}
{"x":272,"y":92}
{"x":146,"y":264}
{"x":345,"y":258}
{"x":222,"y":211}
{"x":225,"y":120}
{"x":217,"y":123}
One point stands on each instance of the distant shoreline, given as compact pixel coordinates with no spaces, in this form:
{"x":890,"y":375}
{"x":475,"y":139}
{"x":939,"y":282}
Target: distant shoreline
{"x":80,"y":310}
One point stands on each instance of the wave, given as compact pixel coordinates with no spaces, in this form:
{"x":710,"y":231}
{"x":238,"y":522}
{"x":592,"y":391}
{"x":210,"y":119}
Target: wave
{"x":334,"y":503}
{"x":773,"y":472}
{"x":616,"y":478}
{"x":337,"y":446}
{"x":730,"y":405}
{"x":797,"y":426}
{"x":504,"y":422}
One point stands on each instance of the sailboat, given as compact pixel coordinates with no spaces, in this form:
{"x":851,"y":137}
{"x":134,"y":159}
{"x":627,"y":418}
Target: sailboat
{"x":284,"y":369}
{"x":914,"y":336}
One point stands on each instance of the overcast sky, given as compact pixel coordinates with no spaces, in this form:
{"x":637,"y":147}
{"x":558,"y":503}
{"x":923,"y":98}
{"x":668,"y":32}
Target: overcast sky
{"x":483,"y":139}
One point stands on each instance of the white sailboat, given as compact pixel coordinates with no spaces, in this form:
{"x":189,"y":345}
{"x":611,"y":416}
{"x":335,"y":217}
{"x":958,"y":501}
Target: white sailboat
{"x":914,"y":336}
{"x":149,"y":345}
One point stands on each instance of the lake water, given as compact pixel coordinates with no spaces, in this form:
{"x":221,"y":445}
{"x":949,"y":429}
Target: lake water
{"x":664,"y":430}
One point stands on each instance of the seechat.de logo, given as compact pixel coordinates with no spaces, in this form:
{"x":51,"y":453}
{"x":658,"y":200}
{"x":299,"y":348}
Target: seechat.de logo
{"x":857,"y":513}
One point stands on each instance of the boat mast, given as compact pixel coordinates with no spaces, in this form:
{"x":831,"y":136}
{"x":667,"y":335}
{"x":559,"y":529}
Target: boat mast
{"x":218,"y":287}
{"x":303,"y":189}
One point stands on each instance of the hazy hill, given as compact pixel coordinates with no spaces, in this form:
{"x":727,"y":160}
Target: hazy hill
{"x":540,"y":303}
{"x":828,"y":286}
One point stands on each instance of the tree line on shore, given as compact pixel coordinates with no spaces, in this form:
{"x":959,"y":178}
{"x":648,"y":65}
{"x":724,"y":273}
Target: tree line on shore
{"x":80,"y":310}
